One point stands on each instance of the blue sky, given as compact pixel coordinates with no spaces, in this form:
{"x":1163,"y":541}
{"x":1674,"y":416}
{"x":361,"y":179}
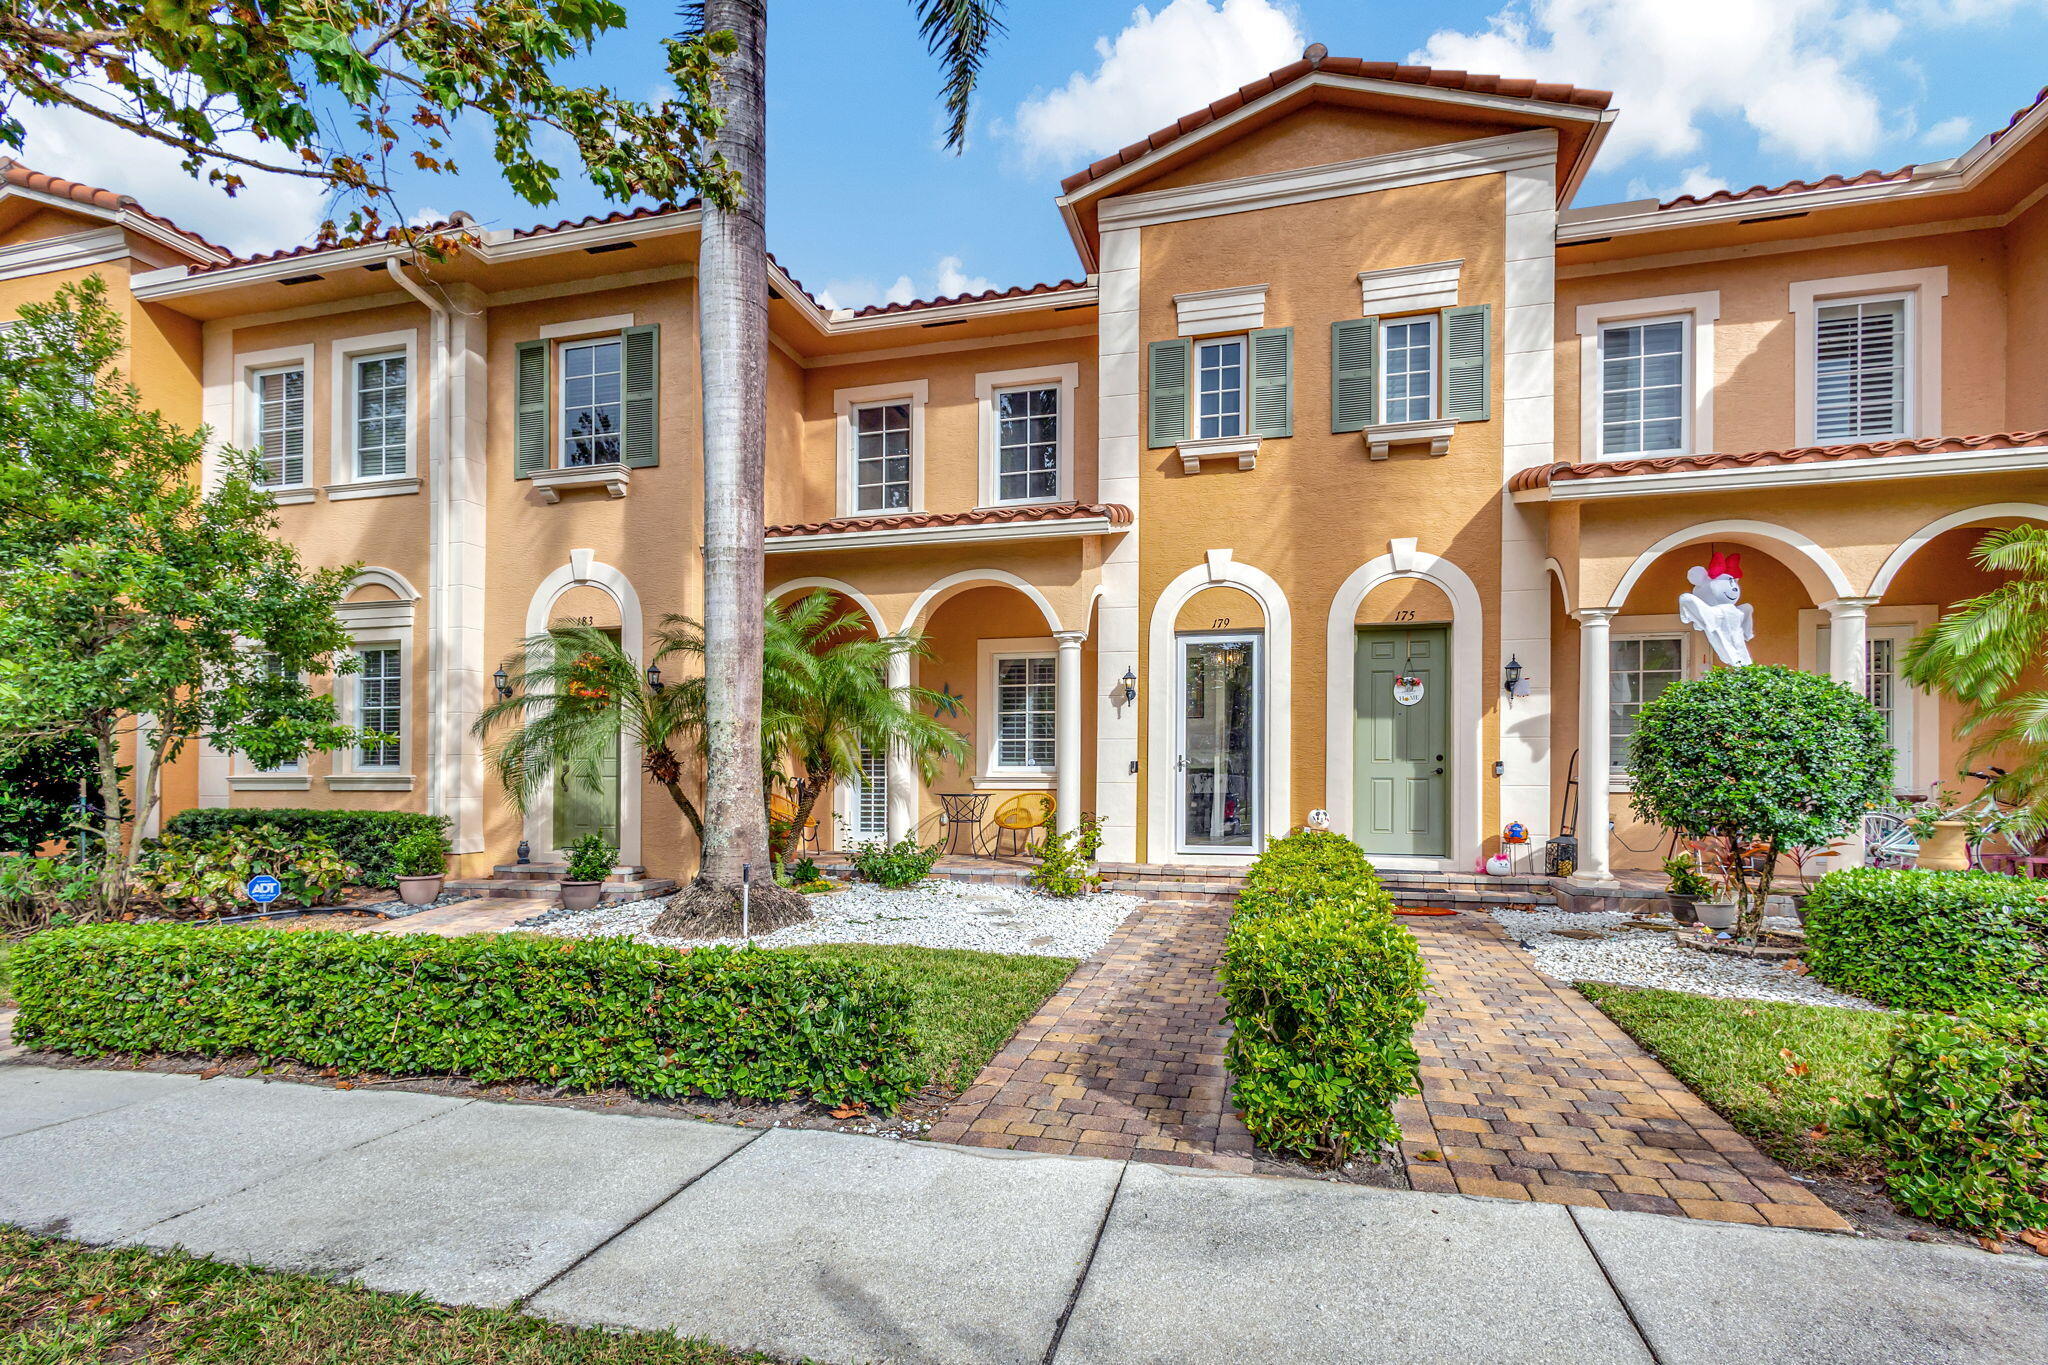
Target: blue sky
{"x":865,"y":204}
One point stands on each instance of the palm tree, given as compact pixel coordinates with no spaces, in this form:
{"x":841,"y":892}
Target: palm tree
{"x":1982,"y":649}
{"x":732,"y":304}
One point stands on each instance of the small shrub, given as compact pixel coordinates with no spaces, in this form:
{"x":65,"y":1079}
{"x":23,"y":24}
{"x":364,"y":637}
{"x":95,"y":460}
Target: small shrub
{"x":363,"y":838}
{"x":591,"y":858}
{"x":804,"y":871}
{"x":1684,"y":878}
{"x":35,"y":892}
{"x":903,"y":863}
{"x":582,"y":1014}
{"x":1063,"y":859}
{"x":1323,"y":991}
{"x":39,"y":790}
{"x":423,"y":853}
{"x":1928,"y":940}
{"x":1963,"y":1112}
{"x":208,"y":874}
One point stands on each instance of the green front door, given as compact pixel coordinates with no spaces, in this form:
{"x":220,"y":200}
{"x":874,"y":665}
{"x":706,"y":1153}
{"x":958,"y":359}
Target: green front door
{"x":587,"y":798}
{"x":1400,"y":742}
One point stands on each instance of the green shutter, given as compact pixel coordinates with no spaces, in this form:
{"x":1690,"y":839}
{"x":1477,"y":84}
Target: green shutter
{"x":530,"y":423}
{"x":1272,"y":381}
{"x":1353,"y":344}
{"x":1468,"y":363}
{"x":640,"y":442}
{"x":1166,"y":406}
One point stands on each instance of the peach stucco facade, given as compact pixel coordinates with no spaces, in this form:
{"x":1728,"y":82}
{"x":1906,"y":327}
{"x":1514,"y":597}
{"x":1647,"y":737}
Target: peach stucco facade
{"x":1347,"y":411}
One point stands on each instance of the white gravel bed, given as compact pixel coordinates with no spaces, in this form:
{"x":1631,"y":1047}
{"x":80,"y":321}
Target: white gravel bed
{"x":932,"y":914}
{"x":1640,"y":957}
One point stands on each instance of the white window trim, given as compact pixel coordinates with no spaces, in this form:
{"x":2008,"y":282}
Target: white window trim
{"x":558,"y":407}
{"x":1436,"y":372}
{"x":1923,"y":760}
{"x":244,"y":776}
{"x":584,"y":329}
{"x":248,"y":413}
{"x":1067,"y":378}
{"x":1701,"y":311}
{"x":917,"y":393}
{"x":1409,"y":288}
{"x":341,"y":391}
{"x":1692,"y":663}
{"x":1923,"y":291}
{"x":988,"y":773}
{"x":372,"y":625}
{"x":1244,"y":392}
{"x":1240,"y":308}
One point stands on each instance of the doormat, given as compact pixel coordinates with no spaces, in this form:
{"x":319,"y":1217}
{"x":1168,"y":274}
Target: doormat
{"x":1423,"y":910}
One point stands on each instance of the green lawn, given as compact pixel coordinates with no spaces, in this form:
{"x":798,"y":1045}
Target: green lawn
{"x":1730,"y":1052}
{"x":62,"y":1304}
{"x":967,"y":1004}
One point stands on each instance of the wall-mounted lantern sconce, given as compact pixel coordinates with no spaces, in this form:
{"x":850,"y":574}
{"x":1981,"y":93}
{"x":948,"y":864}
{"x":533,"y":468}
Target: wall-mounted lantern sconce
{"x":654,"y":678}
{"x":1130,"y":686}
{"x":1514,"y":686}
{"x":504,"y":683}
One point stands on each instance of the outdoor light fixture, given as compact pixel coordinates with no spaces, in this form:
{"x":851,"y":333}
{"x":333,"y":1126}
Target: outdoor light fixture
{"x":1514,"y":686}
{"x":504,"y":683}
{"x":1130,"y":681}
{"x":654,"y":677}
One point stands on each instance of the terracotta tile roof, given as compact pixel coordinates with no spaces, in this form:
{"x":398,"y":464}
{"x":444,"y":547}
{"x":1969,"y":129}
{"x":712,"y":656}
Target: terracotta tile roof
{"x":2022,"y":112}
{"x":1013,"y":292}
{"x":1826,"y":182}
{"x":1545,"y":475}
{"x":1116,"y":514}
{"x":458,"y":220}
{"x":1343,"y":66}
{"x":14,"y":173}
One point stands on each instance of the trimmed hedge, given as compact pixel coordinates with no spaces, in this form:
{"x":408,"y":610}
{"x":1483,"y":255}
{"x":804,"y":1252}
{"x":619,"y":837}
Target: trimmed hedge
{"x":1963,"y":1113}
{"x":578,"y":1014}
{"x":1323,"y":991}
{"x":366,"y":838}
{"x":1929,"y":940}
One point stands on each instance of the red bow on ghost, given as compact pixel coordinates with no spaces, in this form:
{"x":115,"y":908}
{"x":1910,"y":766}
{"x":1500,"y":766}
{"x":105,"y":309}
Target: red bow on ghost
{"x":1720,"y":564}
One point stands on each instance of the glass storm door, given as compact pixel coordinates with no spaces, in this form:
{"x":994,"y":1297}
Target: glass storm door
{"x":1217,"y":783}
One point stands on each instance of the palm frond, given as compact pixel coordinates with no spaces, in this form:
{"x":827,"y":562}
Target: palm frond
{"x":958,"y":33}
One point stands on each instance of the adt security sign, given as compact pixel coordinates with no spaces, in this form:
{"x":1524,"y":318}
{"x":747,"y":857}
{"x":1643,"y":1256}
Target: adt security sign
{"x":264,"y":888}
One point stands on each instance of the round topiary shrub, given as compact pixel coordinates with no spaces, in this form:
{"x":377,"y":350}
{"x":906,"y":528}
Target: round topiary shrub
{"x":1758,"y":757}
{"x":1921,"y":940}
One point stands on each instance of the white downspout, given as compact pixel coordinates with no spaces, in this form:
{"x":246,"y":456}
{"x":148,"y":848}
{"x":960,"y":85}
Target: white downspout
{"x":438,"y":405}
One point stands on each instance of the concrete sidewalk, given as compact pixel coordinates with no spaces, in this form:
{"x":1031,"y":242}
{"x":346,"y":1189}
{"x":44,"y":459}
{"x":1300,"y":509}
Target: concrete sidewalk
{"x":847,"y":1249}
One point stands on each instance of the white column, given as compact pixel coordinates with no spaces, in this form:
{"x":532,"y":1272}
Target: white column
{"x":1066,"y":730}
{"x":1119,"y":479}
{"x":1849,"y":665}
{"x":902,"y":768}
{"x":1594,"y":686}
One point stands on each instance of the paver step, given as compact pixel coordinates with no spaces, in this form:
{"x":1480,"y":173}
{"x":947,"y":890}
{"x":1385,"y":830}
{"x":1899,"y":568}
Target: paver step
{"x":639,"y":888}
{"x":554,"y":872}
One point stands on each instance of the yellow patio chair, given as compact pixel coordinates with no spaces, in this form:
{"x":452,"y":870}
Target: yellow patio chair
{"x":781,"y":812}
{"x":1021,"y":817}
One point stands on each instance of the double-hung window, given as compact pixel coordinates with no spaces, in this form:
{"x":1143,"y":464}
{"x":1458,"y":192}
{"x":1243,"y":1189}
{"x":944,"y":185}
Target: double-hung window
{"x":1860,"y":369}
{"x":1408,"y":368}
{"x":380,"y":403}
{"x":380,"y":706}
{"x":592,"y":402}
{"x":280,"y":397}
{"x":881,"y":439}
{"x":1219,"y":387}
{"x":1643,"y":376}
{"x":1640,"y":668}
{"x":1024,"y":708}
{"x":1028,"y":443}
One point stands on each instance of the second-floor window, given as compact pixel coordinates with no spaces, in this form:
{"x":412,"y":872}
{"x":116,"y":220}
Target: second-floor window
{"x":881,"y":473}
{"x":380,"y":705}
{"x":1409,"y":367}
{"x":1643,"y":402}
{"x":592,"y":397}
{"x":281,"y":425}
{"x":1219,"y":386}
{"x":1860,"y":370}
{"x":380,"y":413}
{"x":1028,"y":444}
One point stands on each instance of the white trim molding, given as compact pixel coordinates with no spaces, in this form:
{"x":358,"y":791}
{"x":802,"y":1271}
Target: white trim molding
{"x":341,"y":390}
{"x":378,"y":623}
{"x":1340,"y":671}
{"x":584,"y":327}
{"x":1409,"y":288}
{"x":1815,"y":568}
{"x":1210,"y":312}
{"x":1119,"y":479}
{"x":988,"y":774}
{"x":1942,"y":464}
{"x":247,"y":365}
{"x":1067,"y":379}
{"x":1923,"y":290}
{"x":915,"y":392}
{"x":614,"y":479}
{"x":71,"y":251}
{"x":840,"y":586}
{"x":1881,"y":582}
{"x":1194,"y":450}
{"x":1700,"y":310}
{"x":953,"y":584}
{"x":1218,"y":568}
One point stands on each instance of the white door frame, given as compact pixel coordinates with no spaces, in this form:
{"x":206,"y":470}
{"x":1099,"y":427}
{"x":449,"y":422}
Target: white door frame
{"x":1257,"y":641}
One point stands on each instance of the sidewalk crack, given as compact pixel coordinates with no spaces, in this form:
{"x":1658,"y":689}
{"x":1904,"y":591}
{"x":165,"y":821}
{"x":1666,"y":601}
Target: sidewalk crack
{"x":1612,"y":1287}
{"x":1059,"y":1327}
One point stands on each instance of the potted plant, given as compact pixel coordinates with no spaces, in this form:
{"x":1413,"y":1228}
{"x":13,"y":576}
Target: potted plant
{"x":1686,"y":885}
{"x":1716,"y":907}
{"x":421,"y":860}
{"x":590,"y":862}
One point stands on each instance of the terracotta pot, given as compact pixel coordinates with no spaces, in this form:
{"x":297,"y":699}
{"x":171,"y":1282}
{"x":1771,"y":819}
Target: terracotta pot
{"x":419,"y":890}
{"x":1715,"y":914}
{"x":1946,"y":850}
{"x":581,"y":895}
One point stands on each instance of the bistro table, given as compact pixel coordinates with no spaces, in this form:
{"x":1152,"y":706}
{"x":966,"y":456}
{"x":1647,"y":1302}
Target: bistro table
{"x":964,"y":812}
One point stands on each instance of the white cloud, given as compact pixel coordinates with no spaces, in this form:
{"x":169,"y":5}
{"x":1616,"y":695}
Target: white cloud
{"x":1696,"y":181}
{"x":1160,"y":67}
{"x":269,"y":212}
{"x":948,"y":276}
{"x":1951,"y":134}
{"x":1797,"y":71}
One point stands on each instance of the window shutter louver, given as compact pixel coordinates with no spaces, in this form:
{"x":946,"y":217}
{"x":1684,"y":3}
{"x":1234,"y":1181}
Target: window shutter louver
{"x":530,"y":425}
{"x":1272,"y":381}
{"x":1468,"y":363}
{"x":641,"y":382}
{"x":1166,"y":407}
{"x":1860,"y":371}
{"x":1353,"y":342}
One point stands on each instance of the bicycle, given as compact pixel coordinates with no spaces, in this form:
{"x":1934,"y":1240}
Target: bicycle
{"x":1891,"y":838}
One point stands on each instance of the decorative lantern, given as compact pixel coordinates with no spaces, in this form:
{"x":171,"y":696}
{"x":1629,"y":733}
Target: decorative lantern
{"x":504,"y":683}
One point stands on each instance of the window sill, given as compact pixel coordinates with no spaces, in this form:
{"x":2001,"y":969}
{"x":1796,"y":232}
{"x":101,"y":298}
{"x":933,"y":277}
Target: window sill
{"x":286,"y":497}
{"x":612,"y":478}
{"x":1244,"y":449}
{"x":371,"y":488}
{"x":370,"y":782}
{"x":1435,"y":433}
{"x":269,"y":782}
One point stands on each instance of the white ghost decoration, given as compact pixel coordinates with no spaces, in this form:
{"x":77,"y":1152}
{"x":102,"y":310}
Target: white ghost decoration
{"x":1715,"y":608}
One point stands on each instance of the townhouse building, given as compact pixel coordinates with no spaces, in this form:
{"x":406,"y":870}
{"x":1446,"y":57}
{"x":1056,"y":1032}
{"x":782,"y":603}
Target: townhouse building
{"x":1357,"y":470}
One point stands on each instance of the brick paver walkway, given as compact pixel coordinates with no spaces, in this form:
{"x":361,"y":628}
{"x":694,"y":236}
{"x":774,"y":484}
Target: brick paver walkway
{"x":482,"y":915}
{"x":1530,"y":1092}
{"x":1125,"y":1059}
